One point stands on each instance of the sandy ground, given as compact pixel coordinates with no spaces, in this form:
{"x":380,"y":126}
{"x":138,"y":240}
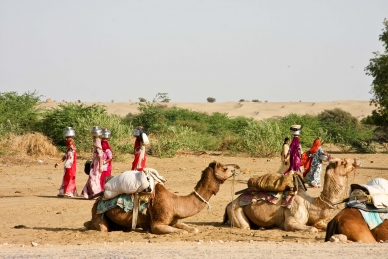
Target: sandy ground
{"x":258,"y":111}
{"x":31,"y":213}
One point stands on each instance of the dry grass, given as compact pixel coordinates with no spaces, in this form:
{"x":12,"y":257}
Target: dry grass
{"x":31,"y":144}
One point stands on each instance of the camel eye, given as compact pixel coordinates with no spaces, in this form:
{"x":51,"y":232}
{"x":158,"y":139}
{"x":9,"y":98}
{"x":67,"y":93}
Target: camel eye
{"x":224,"y":169}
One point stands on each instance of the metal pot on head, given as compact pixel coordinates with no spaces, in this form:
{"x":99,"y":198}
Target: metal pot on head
{"x":69,"y":132}
{"x":105,"y":134}
{"x":96,"y":132}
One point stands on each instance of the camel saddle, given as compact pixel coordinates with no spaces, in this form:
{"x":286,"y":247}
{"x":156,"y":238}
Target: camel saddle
{"x":271,"y":183}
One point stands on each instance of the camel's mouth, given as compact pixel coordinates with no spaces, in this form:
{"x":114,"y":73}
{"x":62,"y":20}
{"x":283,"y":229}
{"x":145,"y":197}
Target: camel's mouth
{"x":358,"y":163}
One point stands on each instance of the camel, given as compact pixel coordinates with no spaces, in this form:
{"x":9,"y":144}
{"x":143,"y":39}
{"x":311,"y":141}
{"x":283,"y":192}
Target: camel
{"x":306,"y":213}
{"x":350,"y":223}
{"x":165,"y":209}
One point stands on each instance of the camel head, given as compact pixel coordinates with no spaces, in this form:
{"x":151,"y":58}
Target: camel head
{"x":337,"y":175}
{"x":344,"y":166}
{"x":216,"y":174}
{"x":223,"y":172}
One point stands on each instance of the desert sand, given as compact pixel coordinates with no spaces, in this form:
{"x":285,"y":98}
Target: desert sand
{"x":36,"y":223}
{"x":256,"y":110}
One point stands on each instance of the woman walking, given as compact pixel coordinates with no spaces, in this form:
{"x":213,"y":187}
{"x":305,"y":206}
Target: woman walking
{"x":295,"y":151}
{"x":139,"y":161}
{"x":313,"y":165}
{"x":106,"y":157}
{"x":68,"y":188}
{"x":93,"y":184}
{"x":285,"y":161}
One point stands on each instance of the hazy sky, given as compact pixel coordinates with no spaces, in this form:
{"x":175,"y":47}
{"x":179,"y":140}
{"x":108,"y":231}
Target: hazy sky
{"x":230,"y":50}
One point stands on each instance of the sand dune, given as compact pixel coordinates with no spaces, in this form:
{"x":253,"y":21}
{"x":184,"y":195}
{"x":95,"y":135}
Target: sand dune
{"x":258,"y":111}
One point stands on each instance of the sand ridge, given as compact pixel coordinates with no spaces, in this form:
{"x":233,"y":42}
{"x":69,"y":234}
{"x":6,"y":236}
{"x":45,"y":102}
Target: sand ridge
{"x":256,"y":110}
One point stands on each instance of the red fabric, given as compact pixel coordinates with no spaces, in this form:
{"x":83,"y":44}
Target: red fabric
{"x":105,"y":145}
{"x":69,"y":177}
{"x":137,"y":153}
{"x":315,"y":146}
{"x":307,"y":158}
{"x":107,"y":154}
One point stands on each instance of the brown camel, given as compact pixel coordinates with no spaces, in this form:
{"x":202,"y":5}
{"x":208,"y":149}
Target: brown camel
{"x":165,"y":209}
{"x":350,"y":223}
{"x":306,"y":213}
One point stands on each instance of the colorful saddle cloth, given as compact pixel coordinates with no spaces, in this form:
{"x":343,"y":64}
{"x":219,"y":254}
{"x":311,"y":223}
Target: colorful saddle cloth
{"x":373,"y":219}
{"x":124,"y":201}
{"x":271,"y":197}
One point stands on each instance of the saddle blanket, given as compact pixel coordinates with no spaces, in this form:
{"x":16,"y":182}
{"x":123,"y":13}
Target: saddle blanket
{"x":373,"y":219}
{"x":124,"y":201}
{"x":272,"y":197}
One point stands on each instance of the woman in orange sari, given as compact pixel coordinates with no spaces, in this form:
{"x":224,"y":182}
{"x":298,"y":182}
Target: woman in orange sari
{"x":313,"y":164}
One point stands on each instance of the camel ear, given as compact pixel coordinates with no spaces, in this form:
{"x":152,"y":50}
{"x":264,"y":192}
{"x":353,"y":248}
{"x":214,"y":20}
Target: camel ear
{"x":213,"y":164}
{"x":344,"y":162}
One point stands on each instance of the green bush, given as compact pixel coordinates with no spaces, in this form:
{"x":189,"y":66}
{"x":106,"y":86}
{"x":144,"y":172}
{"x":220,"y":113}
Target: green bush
{"x":18,"y":113}
{"x":82,"y":118}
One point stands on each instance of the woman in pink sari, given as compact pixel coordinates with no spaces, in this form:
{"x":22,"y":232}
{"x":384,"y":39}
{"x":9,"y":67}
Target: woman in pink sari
{"x":93,"y":185}
{"x":68,"y":188}
{"x":107,"y":162}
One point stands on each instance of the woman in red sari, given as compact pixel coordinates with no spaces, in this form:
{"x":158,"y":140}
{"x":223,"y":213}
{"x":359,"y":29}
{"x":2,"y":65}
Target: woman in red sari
{"x":68,"y":188}
{"x":107,"y":162}
{"x":139,"y":162}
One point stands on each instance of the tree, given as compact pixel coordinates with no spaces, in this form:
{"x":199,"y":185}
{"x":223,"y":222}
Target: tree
{"x":163,"y":97}
{"x":378,"y":69}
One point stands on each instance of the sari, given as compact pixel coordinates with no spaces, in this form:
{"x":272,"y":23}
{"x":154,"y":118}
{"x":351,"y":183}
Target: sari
{"x":307,"y":157}
{"x":68,"y":187}
{"x":107,"y":167}
{"x":139,"y":162}
{"x":93,"y":185}
{"x":295,"y":152}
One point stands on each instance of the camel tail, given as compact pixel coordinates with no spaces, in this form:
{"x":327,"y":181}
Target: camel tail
{"x":224,"y":222}
{"x":332,"y":229}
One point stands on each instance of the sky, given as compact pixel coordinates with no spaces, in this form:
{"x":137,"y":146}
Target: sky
{"x":104,"y":51}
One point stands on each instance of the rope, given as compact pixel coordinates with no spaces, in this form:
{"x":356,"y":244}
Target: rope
{"x":232,"y":195}
{"x":208,"y":204}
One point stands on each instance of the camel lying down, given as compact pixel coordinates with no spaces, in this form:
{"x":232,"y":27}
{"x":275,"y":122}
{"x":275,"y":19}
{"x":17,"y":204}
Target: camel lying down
{"x":165,"y":209}
{"x":350,"y":223}
{"x":306,"y":213}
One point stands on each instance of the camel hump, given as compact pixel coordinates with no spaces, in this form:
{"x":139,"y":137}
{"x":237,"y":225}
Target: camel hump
{"x":271,"y":182}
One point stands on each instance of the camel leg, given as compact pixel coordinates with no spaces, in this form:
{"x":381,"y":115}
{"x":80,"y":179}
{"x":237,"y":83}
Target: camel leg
{"x":291,"y":224}
{"x":186,"y":227}
{"x":237,"y":216}
{"x":164,"y":229}
{"x":98,"y":222}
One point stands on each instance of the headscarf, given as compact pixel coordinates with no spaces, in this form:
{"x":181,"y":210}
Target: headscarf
{"x":315,"y":146}
{"x":70,"y":144}
{"x":105,"y":144}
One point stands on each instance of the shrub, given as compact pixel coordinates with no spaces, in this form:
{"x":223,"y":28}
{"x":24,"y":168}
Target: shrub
{"x":82,"y":118}
{"x":142,"y":100}
{"x":18,"y":113}
{"x":211,"y":100}
{"x":255,"y":101}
